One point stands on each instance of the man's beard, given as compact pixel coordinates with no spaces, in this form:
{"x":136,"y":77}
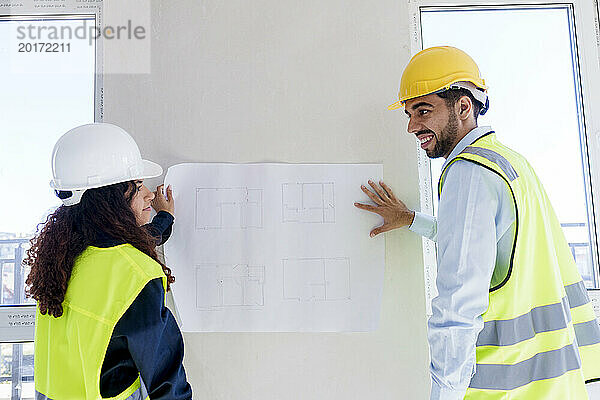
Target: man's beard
{"x":447,"y":139}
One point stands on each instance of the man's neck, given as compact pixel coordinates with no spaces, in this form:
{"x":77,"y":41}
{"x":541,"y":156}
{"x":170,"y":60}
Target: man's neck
{"x":462,"y":133}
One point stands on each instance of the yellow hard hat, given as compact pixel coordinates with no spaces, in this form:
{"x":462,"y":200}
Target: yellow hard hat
{"x":437,"y":69}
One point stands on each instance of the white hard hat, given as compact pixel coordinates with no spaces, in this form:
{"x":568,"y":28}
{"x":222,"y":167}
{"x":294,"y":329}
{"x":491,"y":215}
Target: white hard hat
{"x":95,"y":155}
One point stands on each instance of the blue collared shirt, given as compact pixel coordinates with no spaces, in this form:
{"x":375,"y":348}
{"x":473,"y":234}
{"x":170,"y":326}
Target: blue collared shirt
{"x":473,"y":231}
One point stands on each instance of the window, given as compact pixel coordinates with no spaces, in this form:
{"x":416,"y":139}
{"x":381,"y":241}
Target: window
{"x":44,"y":93}
{"x":540,"y":63}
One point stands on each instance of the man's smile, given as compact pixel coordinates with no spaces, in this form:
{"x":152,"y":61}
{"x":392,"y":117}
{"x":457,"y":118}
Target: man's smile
{"x":426,"y":140}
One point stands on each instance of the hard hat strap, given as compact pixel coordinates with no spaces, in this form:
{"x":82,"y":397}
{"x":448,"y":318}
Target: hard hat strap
{"x":70,"y":197}
{"x":485,"y":107}
{"x":477,"y":93}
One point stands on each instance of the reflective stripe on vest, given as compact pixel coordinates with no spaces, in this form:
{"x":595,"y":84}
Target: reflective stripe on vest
{"x":588,"y":332}
{"x":577,"y":294}
{"x":540,"y":319}
{"x":546,"y":365}
{"x":511,"y":331}
{"x":496,"y":159}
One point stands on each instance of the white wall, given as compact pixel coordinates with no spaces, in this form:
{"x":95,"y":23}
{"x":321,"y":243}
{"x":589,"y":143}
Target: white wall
{"x":289,"y":81}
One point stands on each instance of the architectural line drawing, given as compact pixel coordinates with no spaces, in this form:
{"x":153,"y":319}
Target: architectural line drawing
{"x":308,"y":202}
{"x":229,"y":208}
{"x":316,"y":279}
{"x":220,"y":286}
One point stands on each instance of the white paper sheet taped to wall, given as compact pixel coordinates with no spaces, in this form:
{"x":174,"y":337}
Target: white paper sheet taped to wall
{"x":275,"y":247}
{"x":595,"y":300}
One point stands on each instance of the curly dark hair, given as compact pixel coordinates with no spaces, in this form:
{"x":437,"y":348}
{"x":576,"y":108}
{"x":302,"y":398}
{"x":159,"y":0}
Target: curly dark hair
{"x":71,"y":229}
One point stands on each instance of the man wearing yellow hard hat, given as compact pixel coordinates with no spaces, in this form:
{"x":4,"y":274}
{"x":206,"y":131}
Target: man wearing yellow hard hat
{"x":512,"y":319}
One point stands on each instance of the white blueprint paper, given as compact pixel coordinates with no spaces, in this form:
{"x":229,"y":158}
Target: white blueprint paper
{"x":275,"y":247}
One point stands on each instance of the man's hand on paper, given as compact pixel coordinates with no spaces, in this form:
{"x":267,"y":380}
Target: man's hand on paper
{"x":394,"y":212}
{"x":162,"y":202}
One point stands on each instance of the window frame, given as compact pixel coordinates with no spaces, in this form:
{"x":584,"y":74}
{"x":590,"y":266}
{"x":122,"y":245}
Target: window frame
{"x":18,"y":333}
{"x":586,"y":37}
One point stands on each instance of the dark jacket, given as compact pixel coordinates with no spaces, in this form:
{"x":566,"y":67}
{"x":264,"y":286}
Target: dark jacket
{"x":147,"y":339}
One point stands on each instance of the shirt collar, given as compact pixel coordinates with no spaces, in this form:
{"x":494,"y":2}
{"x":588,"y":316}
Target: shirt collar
{"x":469,"y":138}
{"x":103,"y":239}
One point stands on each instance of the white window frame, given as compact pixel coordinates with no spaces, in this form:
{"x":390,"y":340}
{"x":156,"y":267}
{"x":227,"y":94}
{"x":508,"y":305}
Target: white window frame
{"x":587,"y":35}
{"x":16,"y":321}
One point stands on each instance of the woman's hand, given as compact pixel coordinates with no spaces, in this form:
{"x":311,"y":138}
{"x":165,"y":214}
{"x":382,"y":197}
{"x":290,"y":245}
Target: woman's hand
{"x":162,"y":203}
{"x":394,"y":212}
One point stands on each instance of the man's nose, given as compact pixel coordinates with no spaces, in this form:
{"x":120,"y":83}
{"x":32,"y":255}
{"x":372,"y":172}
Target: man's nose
{"x":413,"y":127}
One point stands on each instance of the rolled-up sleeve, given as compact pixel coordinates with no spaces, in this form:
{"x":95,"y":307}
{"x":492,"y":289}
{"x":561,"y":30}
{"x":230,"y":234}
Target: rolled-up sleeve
{"x":466,"y":254}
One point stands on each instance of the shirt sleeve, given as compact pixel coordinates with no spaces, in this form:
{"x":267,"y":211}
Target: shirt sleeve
{"x":424,"y":225}
{"x":155,"y":344}
{"x":161,"y":227}
{"x":466,"y":245}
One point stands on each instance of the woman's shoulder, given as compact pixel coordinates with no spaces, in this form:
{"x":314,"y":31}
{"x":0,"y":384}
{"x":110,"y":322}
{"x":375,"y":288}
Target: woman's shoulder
{"x":122,"y":255}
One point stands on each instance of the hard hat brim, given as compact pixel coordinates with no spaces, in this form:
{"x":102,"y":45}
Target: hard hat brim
{"x":396,"y":105}
{"x":150,"y":170}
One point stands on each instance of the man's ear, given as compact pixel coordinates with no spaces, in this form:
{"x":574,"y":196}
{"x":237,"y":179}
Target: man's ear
{"x":465,"y":106}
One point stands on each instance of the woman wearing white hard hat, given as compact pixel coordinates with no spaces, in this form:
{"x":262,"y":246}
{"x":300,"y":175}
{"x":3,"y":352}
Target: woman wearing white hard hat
{"x":102,"y":327}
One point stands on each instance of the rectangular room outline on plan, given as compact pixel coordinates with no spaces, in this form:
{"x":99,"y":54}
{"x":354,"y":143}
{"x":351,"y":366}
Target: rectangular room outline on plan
{"x":316,"y":279}
{"x":308,"y":202}
{"x":229,"y":208}
{"x":229,"y":285}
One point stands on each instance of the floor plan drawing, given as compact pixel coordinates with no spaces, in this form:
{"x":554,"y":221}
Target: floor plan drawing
{"x":316,"y":279}
{"x":308,"y":202}
{"x":229,"y":285}
{"x":274,"y":247}
{"x":229,"y":208}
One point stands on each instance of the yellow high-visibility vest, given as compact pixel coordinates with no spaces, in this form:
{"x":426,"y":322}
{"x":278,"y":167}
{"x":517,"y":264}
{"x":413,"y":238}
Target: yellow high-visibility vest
{"x":69,"y":350}
{"x":540,"y":338}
